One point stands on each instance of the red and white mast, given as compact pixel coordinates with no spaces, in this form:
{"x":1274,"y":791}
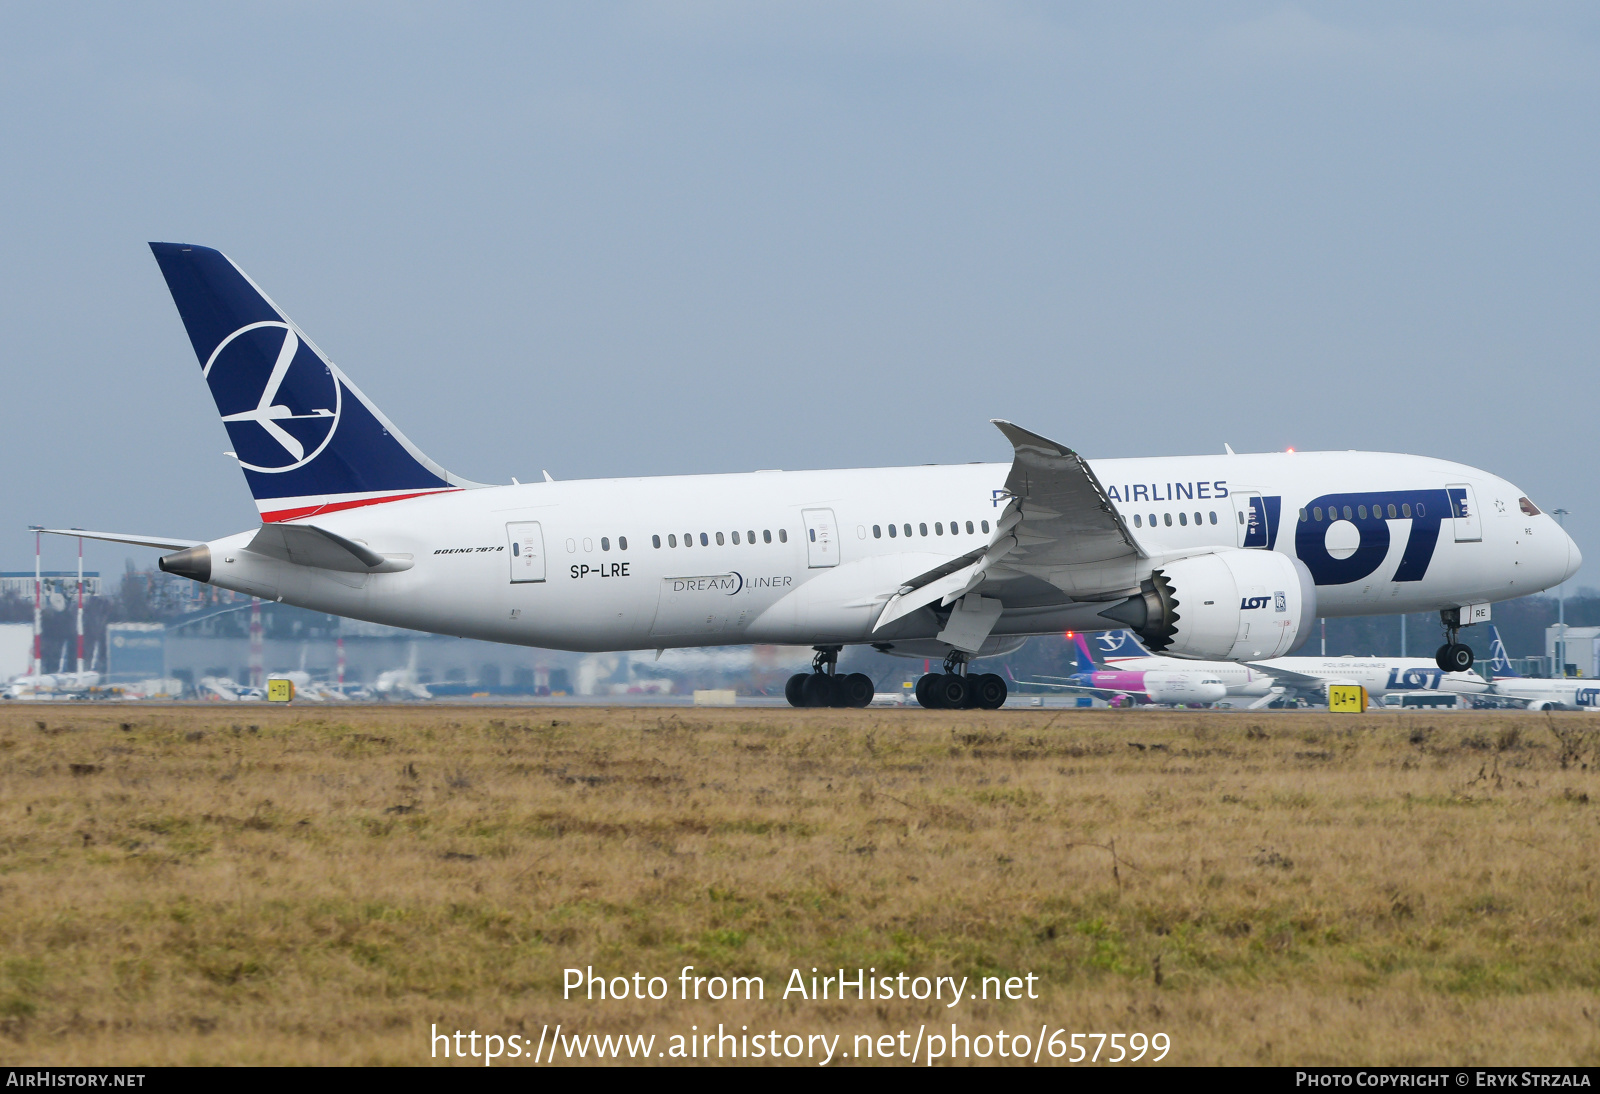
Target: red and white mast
{"x":340,"y":645}
{"x":258,"y":676}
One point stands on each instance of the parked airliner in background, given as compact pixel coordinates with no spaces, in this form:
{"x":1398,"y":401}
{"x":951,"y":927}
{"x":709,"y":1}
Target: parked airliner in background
{"x":1125,"y":662}
{"x":1560,"y":693}
{"x":1226,"y":558}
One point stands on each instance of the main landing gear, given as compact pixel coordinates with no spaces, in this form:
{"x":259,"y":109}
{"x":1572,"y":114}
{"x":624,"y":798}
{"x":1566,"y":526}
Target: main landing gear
{"x":954,"y":689}
{"x":1453,"y":656}
{"x":823,"y":687}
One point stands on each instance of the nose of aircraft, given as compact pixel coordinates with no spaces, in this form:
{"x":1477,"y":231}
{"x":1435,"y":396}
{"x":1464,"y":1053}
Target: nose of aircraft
{"x":1568,"y":558}
{"x":1212,"y":691}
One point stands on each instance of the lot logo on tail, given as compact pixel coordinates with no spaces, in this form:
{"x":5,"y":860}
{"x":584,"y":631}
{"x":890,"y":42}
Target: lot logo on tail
{"x":1499,"y":660}
{"x":280,"y":401}
{"x":1121,"y":643}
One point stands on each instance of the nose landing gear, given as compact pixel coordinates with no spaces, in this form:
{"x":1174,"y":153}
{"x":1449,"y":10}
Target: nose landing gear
{"x":1453,"y":656}
{"x":823,"y":687}
{"x":955,"y":689}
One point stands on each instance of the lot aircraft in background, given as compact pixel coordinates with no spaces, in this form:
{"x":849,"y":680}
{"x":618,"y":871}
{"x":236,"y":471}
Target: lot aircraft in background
{"x":1121,"y":661}
{"x":1561,"y":693}
{"x":1221,"y":558}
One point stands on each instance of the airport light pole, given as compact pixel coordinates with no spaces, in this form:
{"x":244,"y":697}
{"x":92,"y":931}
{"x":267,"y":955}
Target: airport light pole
{"x":1561,"y":610}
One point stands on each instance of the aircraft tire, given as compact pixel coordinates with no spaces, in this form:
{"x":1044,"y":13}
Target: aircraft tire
{"x":1455,"y":657}
{"x":794,"y":689}
{"x":855,"y":690}
{"x":1441,"y":657}
{"x":989,"y":691}
{"x":952,"y":691}
{"x":817,"y":691}
{"x":925,"y":689}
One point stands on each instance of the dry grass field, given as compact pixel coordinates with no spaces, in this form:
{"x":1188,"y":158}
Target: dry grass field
{"x":250,"y":885}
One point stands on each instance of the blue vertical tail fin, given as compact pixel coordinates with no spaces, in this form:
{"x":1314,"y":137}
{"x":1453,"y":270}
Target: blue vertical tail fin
{"x":1119,"y":644}
{"x":306,"y":438}
{"x":1086,"y":662}
{"x":1499,"y":661}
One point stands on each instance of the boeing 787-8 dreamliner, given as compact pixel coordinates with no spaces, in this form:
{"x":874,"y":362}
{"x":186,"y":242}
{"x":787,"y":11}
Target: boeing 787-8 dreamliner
{"x":1226,"y":557}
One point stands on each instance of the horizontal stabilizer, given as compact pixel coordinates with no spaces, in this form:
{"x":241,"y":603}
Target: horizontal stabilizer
{"x":164,"y":543}
{"x":308,"y":545}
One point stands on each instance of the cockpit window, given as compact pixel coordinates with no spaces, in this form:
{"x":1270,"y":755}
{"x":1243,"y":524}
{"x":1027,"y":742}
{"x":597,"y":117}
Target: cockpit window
{"x":1528,"y":507}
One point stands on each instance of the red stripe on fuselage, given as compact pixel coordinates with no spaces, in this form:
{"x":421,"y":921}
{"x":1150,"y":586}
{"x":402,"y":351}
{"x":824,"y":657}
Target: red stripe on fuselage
{"x":335,"y":506}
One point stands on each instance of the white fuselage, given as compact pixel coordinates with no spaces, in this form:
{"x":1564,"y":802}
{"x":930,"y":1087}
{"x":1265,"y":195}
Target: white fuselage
{"x":806,"y":557}
{"x":1378,"y":675}
{"x":1578,"y":694}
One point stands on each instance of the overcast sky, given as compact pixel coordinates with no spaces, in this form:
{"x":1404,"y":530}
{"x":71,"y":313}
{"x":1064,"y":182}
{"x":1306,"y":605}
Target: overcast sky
{"x":698,"y":237}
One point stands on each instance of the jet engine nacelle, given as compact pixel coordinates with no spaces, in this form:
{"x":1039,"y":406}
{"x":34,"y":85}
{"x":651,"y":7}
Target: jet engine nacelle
{"x":1228,"y":606}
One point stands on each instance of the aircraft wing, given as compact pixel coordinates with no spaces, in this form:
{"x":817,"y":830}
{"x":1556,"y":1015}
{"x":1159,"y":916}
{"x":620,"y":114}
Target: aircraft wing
{"x":1066,"y":518}
{"x":1059,"y":526}
{"x":1287,"y":677}
{"x":1085,"y":687}
{"x":165,"y":543}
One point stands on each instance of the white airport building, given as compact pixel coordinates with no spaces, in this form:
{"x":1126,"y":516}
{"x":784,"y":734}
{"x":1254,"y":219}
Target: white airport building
{"x":1583,"y":649}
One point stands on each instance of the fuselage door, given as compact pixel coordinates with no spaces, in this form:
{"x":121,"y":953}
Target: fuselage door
{"x":1464,"y":508}
{"x":822,"y":538}
{"x":526,"y":544}
{"x":1255,"y":519}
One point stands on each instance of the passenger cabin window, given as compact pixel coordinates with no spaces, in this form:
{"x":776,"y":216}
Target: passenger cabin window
{"x":672,"y":541}
{"x":923,"y":528}
{"x":985,"y":526}
{"x":1197,"y":520}
{"x":1304,"y":516}
{"x":813,"y":532}
{"x":605,"y":543}
{"x":705,"y":540}
{"x":938,"y":527}
{"x":688,"y":539}
{"x":1405,"y":508}
{"x":719,"y":539}
{"x":908,"y":531}
{"x":1168,"y":518}
{"x":736,"y":539}
{"x":892,"y":532}
{"x":750,"y":536}
{"x":655,"y":541}
{"x":969,"y":527}
{"x":1213,"y":516}
{"x":766,"y":536}
{"x":1183,"y":519}
{"x":1137,"y":523}
{"x":783,"y":535}
{"x":877,"y":531}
